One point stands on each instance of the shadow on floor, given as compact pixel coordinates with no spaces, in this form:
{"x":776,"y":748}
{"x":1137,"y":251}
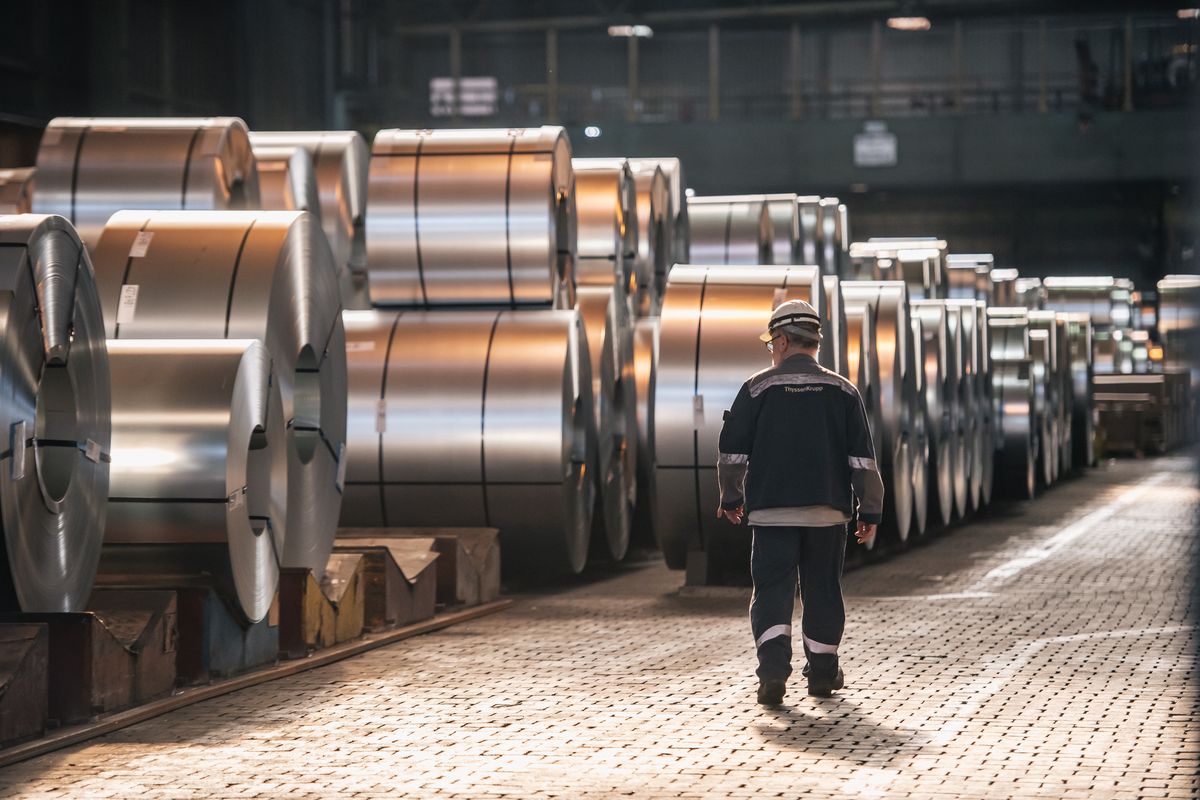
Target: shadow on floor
{"x":836,"y":727}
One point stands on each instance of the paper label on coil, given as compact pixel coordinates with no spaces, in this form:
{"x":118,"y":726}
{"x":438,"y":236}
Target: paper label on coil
{"x":698,"y":409}
{"x":365,"y":346}
{"x":141,"y":243}
{"x":381,"y":416}
{"x":17,"y":447}
{"x":51,"y":137}
{"x":91,"y":451}
{"x":341,"y":470}
{"x":127,"y":305}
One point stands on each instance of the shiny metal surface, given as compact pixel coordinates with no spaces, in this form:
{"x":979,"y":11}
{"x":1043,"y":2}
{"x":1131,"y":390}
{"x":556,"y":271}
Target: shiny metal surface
{"x":265,"y":275}
{"x":968,"y":276}
{"x":808,"y":213}
{"x":286,"y":180}
{"x":935,"y":356}
{"x":678,"y":234}
{"x":645,"y":366}
{"x":833,"y":326}
{"x":340,"y":160}
{"x":862,"y":364}
{"x":512,"y":189}
{"x":474,"y":418}
{"x":708,"y":347}
{"x":615,"y":404}
{"x":959,"y":401}
{"x":785,"y":228}
{"x":607,"y":225}
{"x":1013,"y":397}
{"x":1004,"y":288}
{"x":1030,"y":293}
{"x":655,"y":232}
{"x":55,"y":414}
{"x":1045,"y":351}
{"x":1105,"y":298}
{"x":833,"y":230}
{"x":901,"y":455}
{"x":90,"y":167}
{"x":918,"y":261}
{"x":734,"y":229}
{"x":1179,"y":324}
{"x":1079,"y":348}
{"x":16,"y":190}
{"x":199,"y":462}
{"x":974,"y":418}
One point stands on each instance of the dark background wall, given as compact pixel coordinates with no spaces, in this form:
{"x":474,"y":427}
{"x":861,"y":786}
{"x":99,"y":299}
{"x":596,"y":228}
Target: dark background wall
{"x":1062,"y":141}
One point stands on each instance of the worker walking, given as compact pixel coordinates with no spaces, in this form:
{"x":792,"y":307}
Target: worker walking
{"x":796,"y":455}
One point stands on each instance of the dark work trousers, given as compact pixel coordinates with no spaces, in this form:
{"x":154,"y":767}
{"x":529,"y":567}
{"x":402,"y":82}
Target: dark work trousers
{"x":778,"y":557}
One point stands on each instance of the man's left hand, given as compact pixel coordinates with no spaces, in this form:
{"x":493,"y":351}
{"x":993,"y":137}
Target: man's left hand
{"x":734,"y":515}
{"x":865,"y":532}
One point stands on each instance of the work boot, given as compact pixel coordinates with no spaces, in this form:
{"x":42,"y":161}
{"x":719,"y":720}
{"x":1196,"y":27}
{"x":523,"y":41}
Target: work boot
{"x":771,"y":691}
{"x":807,"y":662}
{"x":824,"y":674}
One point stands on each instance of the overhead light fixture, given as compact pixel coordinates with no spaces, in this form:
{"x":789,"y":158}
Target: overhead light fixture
{"x":592,"y":131}
{"x":909,"y":23}
{"x":630,"y":31}
{"x":1188,"y":13}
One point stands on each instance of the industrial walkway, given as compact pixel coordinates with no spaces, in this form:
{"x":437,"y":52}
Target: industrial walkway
{"x":1047,"y":651}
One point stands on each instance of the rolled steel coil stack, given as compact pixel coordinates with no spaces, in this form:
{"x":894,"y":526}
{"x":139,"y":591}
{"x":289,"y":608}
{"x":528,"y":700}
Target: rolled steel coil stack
{"x":482,"y":217}
{"x":263,"y":275}
{"x":606,"y":203}
{"x":833,"y":230}
{"x":88,"y":168}
{"x":16,"y":190}
{"x":975,"y":398}
{"x":1179,"y":324}
{"x":678,"y":237}
{"x":901,"y":430}
{"x":54,"y":471}
{"x":1004,"y":287}
{"x":474,"y":418}
{"x":1109,"y":302}
{"x":736,"y":229}
{"x":862,"y":364}
{"x":339,"y":161}
{"x":655,"y":233}
{"x":920,"y":263}
{"x":1079,"y":349}
{"x":968,"y":276}
{"x":1030,"y":293}
{"x":286,"y":180}
{"x":1048,"y":404}
{"x":474,"y":399}
{"x":199,"y":465}
{"x":1013,"y":395}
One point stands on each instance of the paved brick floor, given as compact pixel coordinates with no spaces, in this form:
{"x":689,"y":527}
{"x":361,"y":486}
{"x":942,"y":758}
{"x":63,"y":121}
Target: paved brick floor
{"x":1048,"y":651}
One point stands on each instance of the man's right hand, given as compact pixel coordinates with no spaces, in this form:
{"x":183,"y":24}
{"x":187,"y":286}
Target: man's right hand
{"x":865,"y":532}
{"x":734,"y":515}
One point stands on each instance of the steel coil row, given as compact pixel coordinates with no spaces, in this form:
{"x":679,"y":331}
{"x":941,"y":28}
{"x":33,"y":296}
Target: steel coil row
{"x":919,"y":262}
{"x":968,"y":276}
{"x":736,"y":229}
{"x":676,"y":221}
{"x":474,"y":418}
{"x":1179,"y":323}
{"x":16,"y":190}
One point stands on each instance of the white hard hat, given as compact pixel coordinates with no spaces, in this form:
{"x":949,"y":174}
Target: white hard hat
{"x":793,"y":312}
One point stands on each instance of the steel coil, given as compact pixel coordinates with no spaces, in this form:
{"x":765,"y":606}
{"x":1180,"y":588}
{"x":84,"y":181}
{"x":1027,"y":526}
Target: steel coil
{"x":339,"y":160}
{"x":833,"y":228}
{"x":935,"y":355}
{"x":199,"y":464}
{"x":1079,"y":347}
{"x":474,"y":418}
{"x":918,"y":261}
{"x":1179,"y":324}
{"x":833,"y":328}
{"x":968,"y":276}
{"x":678,"y":227}
{"x":645,"y":365}
{"x":1066,"y":396}
{"x":808,"y":214}
{"x":89,"y":168}
{"x":1004,"y":288}
{"x":862,"y":364}
{"x":54,"y":470}
{"x":1013,"y":398}
{"x":708,"y":347}
{"x":1105,"y":298}
{"x":730,"y":230}
{"x":1051,"y":370}
{"x":1030,"y":293}
{"x":958,"y":393}
{"x":974,"y":420}
{"x":785,"y":228}
{"x":614,"y":403}
{"x":607,"y":225}
{"x":512,"y":190}
{"x":265,"y":275}
{"x":286,"y":180}
{"x":901,"y":433}
{"x":655,"y":229}
{"x":1040,"y":346}
{"x":16,"y":190}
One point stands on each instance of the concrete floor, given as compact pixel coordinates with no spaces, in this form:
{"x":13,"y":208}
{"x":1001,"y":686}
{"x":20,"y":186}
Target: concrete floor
{"x":1046,"y":650}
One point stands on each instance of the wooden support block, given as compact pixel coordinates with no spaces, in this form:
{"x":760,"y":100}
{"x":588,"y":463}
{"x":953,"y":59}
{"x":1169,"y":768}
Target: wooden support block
{"x":405,"y":589}
{"x":214,"y":640}
{"x":93,"y":656}
{"x":147,"y":621}
{"x":24,"y":673}
{"x":468,"y":568}
{"x":316,"y":615}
